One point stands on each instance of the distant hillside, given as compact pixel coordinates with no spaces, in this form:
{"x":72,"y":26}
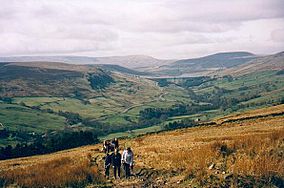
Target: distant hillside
{"x":62,"y":59}
{"x":40,"y":96}
{"x":120,"y":69}
{"x":216,"y":64}
{"x":132,"y":61}
{"x":271,"y":62}
{"x":50,"y":79}
{"x":205,"y":65}
{"x":219,"y":60}
{"x":100,"y":100}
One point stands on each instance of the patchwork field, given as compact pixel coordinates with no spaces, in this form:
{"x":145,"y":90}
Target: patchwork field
{"x":19,"y":117}
{"x":117,"y":107}
{"x":236,"y":152}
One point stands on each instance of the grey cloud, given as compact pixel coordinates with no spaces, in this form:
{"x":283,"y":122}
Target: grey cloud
{"x":180,"y":28}
{"x":229,"y":11}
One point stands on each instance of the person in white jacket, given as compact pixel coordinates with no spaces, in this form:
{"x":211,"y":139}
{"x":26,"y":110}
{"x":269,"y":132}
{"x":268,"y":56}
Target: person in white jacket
{"x":127,"y":161}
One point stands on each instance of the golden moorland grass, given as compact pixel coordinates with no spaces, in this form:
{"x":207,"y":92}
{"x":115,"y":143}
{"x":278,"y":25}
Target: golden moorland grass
{"x":235,"y":154}
{"x":63,"y":172}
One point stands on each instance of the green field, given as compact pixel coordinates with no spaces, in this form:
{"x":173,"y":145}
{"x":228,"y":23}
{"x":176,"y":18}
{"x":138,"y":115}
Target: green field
{"x":250,"y":80}
{"x":22,"y":118}
{"x":36,"y":101}
{"x":120,"y":103}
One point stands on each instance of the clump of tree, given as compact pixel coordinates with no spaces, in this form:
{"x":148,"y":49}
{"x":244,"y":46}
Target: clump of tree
{"x":19,"y":135}
{"x":99,"y":81}
{"x":6,"y":99}
{"x":229,"y":78}
{"x":162,"y":82}
{"x":195,"y":81}
{"x":184,"y":82}
{"x":105,"y":129}
{"x":151,"y":114}
{"x":4,"y":133}
{"x":49,"y":143}
{"x":71,"y":118}
{"x":179,"y":124}
{"x":281,"y":72}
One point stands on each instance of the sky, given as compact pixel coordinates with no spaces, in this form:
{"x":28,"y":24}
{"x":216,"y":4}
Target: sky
{"x":167,"y":29}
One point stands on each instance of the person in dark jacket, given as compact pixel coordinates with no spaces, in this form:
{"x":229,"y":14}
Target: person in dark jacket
{"x":116,"y":163}
{"x":114,"y":143}
{"x":108,"y":159}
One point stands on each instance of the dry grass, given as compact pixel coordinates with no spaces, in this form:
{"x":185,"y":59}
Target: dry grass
{"x":63,"y":172}
{"x":243,"y":153}
{"x":259,"y":157}
{"x":253,"y":113}
{"x":247,"y":153}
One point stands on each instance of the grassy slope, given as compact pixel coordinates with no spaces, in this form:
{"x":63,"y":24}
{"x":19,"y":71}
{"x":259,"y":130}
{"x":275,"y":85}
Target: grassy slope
{"x":185,"y":155}
{"x":254,"y":83}
{"x":249,"y":80}
{"x":55,"y":86}
{"x":120,"y":103}
{"x":126,"y":97}
{"x":270,"y":62}
{"x":114,"y":99}
{"x":21,"y":118}
{"x":204,"y":65}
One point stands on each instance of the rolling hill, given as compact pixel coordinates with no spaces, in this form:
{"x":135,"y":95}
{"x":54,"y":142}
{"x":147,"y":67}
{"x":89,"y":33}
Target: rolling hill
{"x":120,"y":69}
{"x":147,"y":66}
{"x":42,"y":102}
{"x":271,"y":62}
{"x":46,"y":79}
{"x":33,"y":96}
{"x":221,"y":64}
{"x":205,"y":65}
{"x":138,"y":62}
{"x":219,"y":60}
{"x":113,"y":103}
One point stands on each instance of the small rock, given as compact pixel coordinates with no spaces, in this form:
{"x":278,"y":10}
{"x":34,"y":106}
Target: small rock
{"x":223,"y":172}
{"x":211,"y":166}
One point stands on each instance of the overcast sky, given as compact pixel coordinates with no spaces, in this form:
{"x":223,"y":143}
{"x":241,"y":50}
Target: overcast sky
{"x":160,"y":28}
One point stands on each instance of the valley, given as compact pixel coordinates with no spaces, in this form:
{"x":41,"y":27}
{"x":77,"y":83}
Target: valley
{"x":130,"y":94}
{"x":204,"y":130}
{"x":41,"y":97}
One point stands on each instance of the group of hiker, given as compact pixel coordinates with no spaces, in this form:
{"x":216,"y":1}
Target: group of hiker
{"x":115,"y":159}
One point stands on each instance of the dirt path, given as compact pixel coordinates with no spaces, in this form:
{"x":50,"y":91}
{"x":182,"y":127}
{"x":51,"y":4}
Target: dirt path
{"x":141,"y":176}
